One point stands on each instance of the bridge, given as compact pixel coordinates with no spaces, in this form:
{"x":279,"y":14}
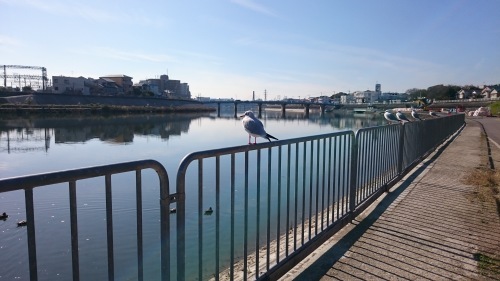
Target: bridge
{"x":306,"y":105}
{"x":283,"y":104}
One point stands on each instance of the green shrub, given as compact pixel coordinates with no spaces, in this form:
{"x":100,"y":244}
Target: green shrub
{"x":495,"y":108}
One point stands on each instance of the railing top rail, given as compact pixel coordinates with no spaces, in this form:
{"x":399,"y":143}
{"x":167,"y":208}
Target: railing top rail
{"x":374,"y":128}
{"x":17,"y":183}
{"x":243,"y":148}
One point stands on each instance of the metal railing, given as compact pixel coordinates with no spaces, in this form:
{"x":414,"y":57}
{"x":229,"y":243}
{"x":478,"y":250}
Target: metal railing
{"x":255,"y":211}
{"x":28,"y":183}
{"x":298,"y":192}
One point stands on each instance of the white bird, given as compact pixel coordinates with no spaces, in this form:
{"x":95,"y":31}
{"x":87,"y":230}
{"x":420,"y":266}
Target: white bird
{"x":401,"y":117}
{"x":254,"y":127}
{"x":390,"y":117}
{"x":433,"y":114}
{"x":415,"y":115}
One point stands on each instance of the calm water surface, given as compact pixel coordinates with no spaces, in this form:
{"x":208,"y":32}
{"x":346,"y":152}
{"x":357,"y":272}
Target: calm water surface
{"x":30,"y":145}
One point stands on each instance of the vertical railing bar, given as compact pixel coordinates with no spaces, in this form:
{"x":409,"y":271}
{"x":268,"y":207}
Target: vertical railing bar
{"x":380,"y":158}
{"x":233,"y":187}
{"x":329,"y":181}
{"x":245,"y":223}
{"x":296,"y":196}
{"x":396,"y":132}
{"x":323,"y":185}
{"x":304,"y":154}
{"x":339,"y":175}
{"x":268,"y":229}
{"x":373,"y":153}
{"x":74,"y":230}
{"x":200,"y":219}
{"x":138,"y":200}
{"x":360,"y":174}
{"x":217,"y":217}
{"x":388,"y":141}
{"x":351,"y":170}
{"x":334,"y":180}
{"x":366,"y":162}
{"x":311,"y":188}
{"x":287,"y":200}
{"x":317,"y":188}
{"x":341,"y":178}
{"x":345,"y":178}
{"x":257,"y":236}
{"x":278,"y":222}
{"x":30,"y":217}
{"x":109,"y":226}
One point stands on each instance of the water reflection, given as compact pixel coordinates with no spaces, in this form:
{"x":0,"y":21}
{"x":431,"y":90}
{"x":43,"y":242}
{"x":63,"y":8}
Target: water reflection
{"x":22,"y":134}
{"x":28,"y":134}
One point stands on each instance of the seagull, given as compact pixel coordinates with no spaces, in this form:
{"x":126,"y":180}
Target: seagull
{"x":401,"y":117}
{"x":415,"y":115}
{"x":433,"y":114}
{"x":390,"y":117}
{"x":254,"y":127}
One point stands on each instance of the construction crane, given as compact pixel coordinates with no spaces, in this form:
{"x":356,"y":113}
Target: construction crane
{"x":30,"y":77}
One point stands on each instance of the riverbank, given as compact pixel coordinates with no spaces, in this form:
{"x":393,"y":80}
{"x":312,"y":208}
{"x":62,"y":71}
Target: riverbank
{"x":79,"y":104}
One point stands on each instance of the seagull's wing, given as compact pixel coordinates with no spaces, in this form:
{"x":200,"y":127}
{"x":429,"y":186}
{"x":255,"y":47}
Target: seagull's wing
{"x":254,"y":127}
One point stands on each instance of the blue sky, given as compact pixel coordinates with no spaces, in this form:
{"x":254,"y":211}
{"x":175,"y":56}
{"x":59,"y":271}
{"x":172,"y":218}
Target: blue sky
{"x":229,"y":48}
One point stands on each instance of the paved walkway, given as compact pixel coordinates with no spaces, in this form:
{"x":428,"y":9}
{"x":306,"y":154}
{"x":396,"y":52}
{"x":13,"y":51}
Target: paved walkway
{"x":428,"y":227}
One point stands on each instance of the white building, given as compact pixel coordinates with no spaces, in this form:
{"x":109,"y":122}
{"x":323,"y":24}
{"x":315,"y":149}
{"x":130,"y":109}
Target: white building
{"x":72,"y":85}
{"x":366,"y":96}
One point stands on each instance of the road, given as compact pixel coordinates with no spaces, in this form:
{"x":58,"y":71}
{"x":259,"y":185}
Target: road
{"x":492,"y":127}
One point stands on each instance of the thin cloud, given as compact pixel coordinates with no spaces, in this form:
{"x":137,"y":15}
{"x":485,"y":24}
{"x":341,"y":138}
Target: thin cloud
{"x":7,"y":41}
{"x":252,"y":5}
{"x":124,"y":55}
{"x":87,"y":12}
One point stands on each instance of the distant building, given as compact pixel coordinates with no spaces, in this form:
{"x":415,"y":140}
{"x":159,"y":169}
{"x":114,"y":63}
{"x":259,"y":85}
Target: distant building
{"x":163,"y":86}
{"x":124,"y":81}
{"x":489,"y":92}
{"x":69,"y":85}
{"x":366,"y":96}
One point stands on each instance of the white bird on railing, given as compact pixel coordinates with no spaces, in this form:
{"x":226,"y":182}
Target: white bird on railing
{"x":401,"y":117}
{"x":390,"y":117}
{"x":415,"y":115}
{"x":254,"y":127}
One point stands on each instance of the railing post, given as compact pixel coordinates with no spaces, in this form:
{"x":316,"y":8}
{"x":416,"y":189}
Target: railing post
{"x":354,"y":174}
{"x":30,"y":217}
{"x":401,"y":148}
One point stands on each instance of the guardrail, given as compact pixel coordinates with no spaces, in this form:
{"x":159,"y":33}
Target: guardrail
{"x":257,"y":210}
{"x":28,"y":183}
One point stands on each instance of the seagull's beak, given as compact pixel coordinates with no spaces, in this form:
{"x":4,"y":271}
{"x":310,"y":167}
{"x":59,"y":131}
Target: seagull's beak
{"x":242,"y":115}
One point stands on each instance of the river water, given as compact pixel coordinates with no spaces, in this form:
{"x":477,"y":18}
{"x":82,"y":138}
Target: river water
{"x":31,"y":145}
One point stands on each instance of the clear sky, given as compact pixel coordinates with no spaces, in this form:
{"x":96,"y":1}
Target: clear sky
{"x":229,"y":48}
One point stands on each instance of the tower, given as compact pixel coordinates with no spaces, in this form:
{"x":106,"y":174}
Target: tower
{"x":378,"y":88}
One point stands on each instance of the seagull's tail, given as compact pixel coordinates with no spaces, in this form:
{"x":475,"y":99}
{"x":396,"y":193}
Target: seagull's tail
{"x":269,"y":137}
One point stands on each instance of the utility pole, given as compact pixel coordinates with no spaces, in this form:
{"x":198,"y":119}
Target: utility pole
{"x":265,"y":95}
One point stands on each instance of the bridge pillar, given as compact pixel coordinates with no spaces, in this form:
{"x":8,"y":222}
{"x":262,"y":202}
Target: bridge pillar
{"x":306,"y":109}
{"x":235,"y":109}
{"x":322,"y":107}
{"x":283,"y":109}
{"x":260,"y":109}
{"x":218,"y":109}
